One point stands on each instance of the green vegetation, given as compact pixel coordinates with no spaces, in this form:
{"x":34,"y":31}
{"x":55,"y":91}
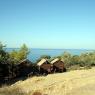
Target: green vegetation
{"x":86,"y":60}
{"x":3,"y":54}
{"x":14,"y":56}
{"x":73,"y":62}
{"x":19,"y":55}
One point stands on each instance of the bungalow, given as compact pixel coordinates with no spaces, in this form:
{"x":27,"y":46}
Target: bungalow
{"x":44,"y":67}
{"x":24,"y":67}
{"x":58,"y":65}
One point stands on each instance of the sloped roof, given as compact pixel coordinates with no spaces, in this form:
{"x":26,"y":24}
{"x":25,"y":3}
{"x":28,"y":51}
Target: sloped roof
{"x":25,"y":60}
{"x":41,"y":62}
{"x":55,"y":60}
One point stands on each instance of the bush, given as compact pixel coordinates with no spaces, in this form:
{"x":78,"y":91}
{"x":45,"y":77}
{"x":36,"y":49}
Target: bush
{"x":87,"y":67}
{"x":74,"y":67}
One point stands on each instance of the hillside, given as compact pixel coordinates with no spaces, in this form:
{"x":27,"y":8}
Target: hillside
{"x":79,"y":82}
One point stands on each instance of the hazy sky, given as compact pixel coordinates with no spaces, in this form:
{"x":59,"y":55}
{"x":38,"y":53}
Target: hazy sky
{"x":48,"y":23}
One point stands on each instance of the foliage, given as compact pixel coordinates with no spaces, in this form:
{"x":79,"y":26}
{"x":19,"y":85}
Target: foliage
{"x":85,"y":60}
{"x":3,"y":54}
{"x":20,"y":54}
{"x":66,"y":57}
{"x":45,"y":56}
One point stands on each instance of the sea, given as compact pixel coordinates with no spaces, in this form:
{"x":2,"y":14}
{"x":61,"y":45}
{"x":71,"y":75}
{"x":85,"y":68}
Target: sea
{"x":36,"y":53}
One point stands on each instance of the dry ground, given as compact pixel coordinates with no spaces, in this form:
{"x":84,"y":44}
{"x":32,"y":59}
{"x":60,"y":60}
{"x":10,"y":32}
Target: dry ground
{"x":78,"y":82}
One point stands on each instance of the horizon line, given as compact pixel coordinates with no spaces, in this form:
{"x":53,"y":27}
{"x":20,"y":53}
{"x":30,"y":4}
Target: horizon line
{"x":57,"y":48}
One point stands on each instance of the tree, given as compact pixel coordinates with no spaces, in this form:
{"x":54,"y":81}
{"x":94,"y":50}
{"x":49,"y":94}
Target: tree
{"x":66,"y":57}
{"x":88,"y":59}
{"x":1,"y":46}
{"x":19,"y":55}
{"x":3,"y":54}
{"x":23,"y":52}
{"x":75,"y":60}
{"x":45,"y":56}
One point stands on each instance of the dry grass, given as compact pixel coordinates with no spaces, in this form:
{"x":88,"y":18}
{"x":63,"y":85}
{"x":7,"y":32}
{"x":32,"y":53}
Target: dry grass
{"x":78,"y":82}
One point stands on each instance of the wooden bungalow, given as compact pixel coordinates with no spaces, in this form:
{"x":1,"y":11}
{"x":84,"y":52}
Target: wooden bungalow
{"x":44,"y":67}
{"x":58,"y":65}
{"x":24,"y":68}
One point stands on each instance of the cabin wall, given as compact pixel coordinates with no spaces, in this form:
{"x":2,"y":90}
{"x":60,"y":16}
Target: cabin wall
{"x":25,"y":69}
{"x":58,"y":66}
{"x":45,"y":68}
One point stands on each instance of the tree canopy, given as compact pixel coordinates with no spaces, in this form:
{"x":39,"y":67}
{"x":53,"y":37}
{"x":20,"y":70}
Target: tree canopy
{"x":18,"y":55}
{"x":3,"y":54}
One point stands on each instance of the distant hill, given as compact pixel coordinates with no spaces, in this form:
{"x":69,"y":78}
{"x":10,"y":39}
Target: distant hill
{"x":78,"y":82}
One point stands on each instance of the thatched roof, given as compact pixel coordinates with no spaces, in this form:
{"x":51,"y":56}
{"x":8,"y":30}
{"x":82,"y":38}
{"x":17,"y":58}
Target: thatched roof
{"x":55,"y":60}
{"x":41,"y":62}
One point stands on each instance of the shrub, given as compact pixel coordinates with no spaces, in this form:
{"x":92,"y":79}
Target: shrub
{"x":74,"y":67}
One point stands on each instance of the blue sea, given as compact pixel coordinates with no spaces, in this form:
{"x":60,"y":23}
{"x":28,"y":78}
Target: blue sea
{"x":36,"y":53}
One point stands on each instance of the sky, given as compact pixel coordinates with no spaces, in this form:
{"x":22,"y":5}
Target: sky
{"x":65,"y":24}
